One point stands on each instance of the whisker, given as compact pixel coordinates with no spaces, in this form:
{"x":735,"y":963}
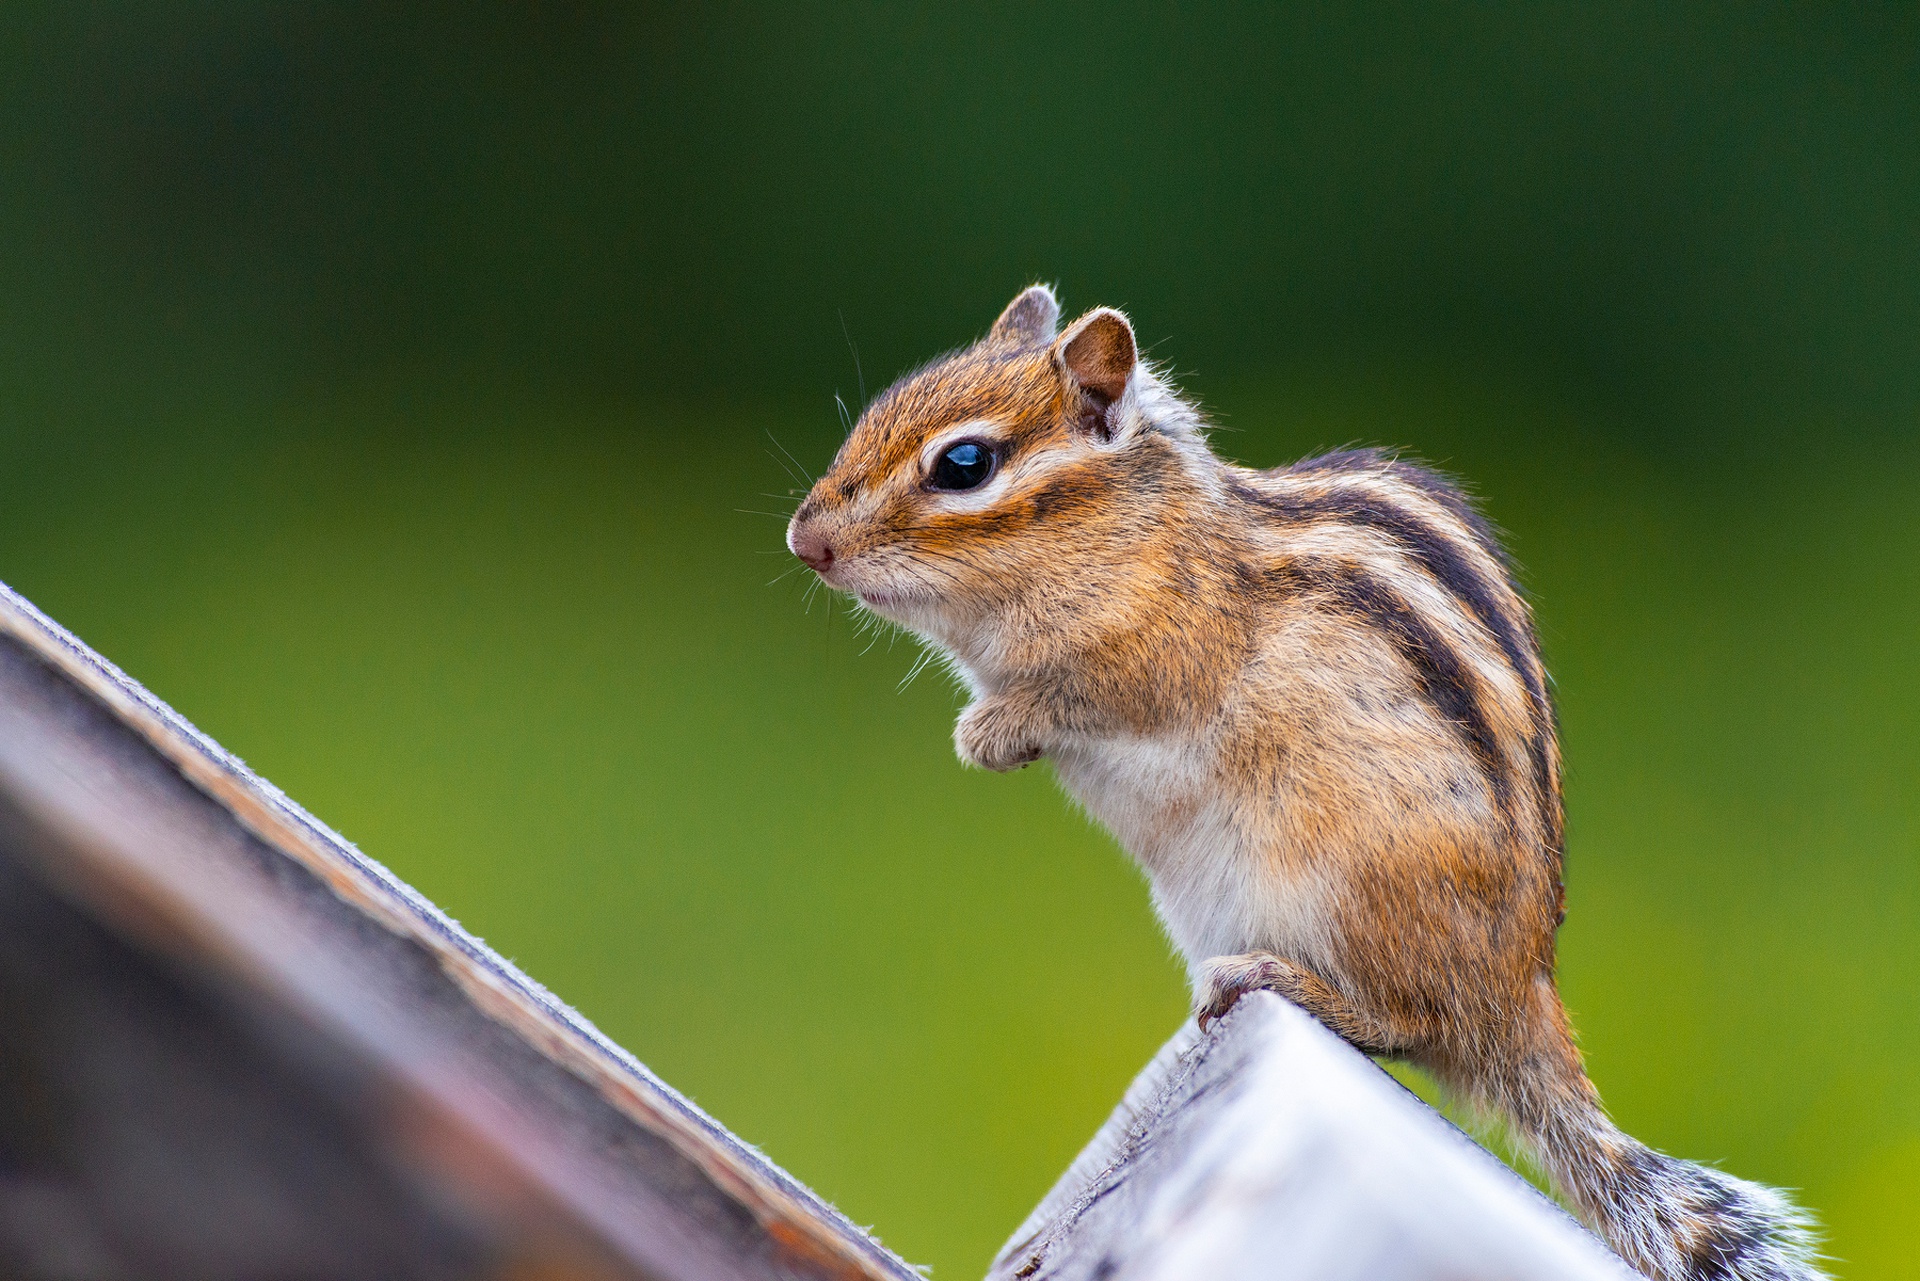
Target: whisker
{"x":926,"y":656}
{"x":804,"y":478}
{"x":783,"y":465}
{"x":858,"y":375}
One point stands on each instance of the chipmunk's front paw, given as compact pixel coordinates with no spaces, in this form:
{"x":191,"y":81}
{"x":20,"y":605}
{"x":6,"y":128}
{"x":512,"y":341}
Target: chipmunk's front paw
{"x":993,"y":735}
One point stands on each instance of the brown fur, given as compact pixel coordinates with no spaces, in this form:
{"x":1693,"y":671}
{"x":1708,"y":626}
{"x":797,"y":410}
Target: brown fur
{"x":1309,"y":701}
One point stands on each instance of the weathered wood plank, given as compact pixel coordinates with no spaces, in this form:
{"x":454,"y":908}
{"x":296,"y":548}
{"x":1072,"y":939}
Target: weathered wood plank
{"x":259,"y":1053}
{"x":1270,"y":1149}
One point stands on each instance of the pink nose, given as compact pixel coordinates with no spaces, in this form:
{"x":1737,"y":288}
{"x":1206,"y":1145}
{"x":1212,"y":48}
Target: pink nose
{"x":812,"y":547}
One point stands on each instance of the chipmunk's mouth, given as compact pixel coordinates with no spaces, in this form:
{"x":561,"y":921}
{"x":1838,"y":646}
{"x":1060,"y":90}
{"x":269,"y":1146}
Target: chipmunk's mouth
{"x":894,"y":602}
{"x":888,"y":596}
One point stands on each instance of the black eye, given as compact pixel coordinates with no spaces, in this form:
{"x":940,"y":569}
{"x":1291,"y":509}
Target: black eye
{"x":964,"y":466}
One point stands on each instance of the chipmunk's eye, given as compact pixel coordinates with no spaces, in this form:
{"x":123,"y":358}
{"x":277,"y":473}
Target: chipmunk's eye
{"x":964,"y":466}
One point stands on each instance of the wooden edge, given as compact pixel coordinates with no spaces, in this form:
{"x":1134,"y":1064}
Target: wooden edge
{"x":1269,"y":1148}
{"x":1108,"y":1147}
{"x":429,"y":1111}
{"x":792,"y":1216}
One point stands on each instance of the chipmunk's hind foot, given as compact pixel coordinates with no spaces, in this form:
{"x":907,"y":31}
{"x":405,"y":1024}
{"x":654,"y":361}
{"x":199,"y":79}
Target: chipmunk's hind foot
{"x":1228,"y":978}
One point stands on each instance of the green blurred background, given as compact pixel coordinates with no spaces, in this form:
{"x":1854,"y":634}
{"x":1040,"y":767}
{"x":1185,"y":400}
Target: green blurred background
{"x":391,"y":388}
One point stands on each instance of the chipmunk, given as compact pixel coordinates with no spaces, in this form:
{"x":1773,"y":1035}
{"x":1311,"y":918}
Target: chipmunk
{"x":1308,"y":701}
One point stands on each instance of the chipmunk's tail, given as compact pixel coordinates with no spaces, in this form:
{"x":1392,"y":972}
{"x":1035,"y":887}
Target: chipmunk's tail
{"x":1671,"y":1219}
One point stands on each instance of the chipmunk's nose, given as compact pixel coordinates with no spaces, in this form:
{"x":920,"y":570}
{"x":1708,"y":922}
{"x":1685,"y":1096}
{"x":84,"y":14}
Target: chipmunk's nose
{"x":811,"y":546}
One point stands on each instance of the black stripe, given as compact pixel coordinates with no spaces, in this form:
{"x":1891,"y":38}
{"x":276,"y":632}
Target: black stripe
{"x":1436,"y":485}
{"x":1438,"y":553}
{"x":1445,"y":678}
{"x":1552,"y":818}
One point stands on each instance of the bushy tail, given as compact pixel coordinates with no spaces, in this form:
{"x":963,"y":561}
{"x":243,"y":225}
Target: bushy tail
{"x":1671,"y":1219}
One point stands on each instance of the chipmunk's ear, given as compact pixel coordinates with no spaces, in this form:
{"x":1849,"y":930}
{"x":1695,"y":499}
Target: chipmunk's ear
{"x":1099,"y":353}
{"x":1029,"y":319}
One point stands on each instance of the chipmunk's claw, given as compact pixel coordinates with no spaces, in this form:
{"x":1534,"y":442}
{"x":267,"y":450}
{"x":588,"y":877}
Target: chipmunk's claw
{"x":992,"y":735}
{"x":1228,"y":978}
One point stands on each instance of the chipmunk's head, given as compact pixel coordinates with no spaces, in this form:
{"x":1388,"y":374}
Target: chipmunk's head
{"x":1001,"y":476}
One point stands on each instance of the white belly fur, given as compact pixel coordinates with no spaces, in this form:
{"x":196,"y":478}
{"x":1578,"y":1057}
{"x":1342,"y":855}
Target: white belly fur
{"x":1216,"y":889}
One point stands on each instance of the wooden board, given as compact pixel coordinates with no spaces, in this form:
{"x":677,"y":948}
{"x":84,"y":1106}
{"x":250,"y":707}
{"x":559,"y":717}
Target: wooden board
{"x":1268,"y":1148}
{"x":231,"y":1045}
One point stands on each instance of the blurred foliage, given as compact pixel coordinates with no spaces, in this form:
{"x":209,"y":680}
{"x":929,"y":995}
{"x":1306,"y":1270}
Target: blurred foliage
{"x":1652,"y":203}
{"x":391,"y":388}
